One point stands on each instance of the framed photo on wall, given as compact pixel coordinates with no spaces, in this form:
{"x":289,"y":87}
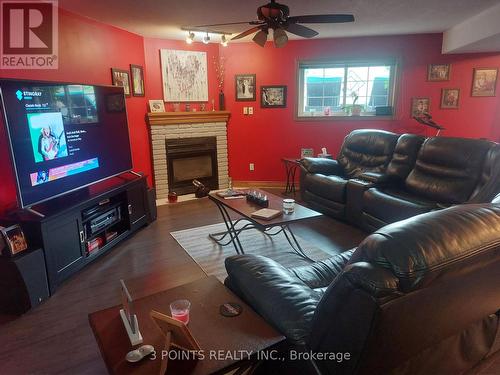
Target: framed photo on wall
{"x":120,"y":77}
{"x":438,"y":72}
{"x":245,"y":87}
{"x":450,"y":98}
{"x":484,"y":81}
{"x":273,"y":96}
{"x":14,"y":240}
{"x":137,"y":72}
{"x":420,"y":106}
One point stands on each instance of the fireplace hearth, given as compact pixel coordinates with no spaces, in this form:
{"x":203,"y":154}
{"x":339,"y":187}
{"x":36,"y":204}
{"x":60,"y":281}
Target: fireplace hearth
{"x":189,"y":159}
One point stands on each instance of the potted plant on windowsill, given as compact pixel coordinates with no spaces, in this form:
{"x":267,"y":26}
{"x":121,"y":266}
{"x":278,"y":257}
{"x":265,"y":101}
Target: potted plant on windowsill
{"x":354,"y":109}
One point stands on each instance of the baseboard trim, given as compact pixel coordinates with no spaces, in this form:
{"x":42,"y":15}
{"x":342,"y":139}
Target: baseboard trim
{"x":263,"y":184}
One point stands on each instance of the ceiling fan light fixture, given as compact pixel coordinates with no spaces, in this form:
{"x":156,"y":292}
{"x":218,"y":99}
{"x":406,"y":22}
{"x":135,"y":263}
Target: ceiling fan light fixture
{"x":280,"y":37}
{"x":206,"y":39}
{"x":190,"y":38}
{"x":260,"y":38}
{"x":223,"y":40}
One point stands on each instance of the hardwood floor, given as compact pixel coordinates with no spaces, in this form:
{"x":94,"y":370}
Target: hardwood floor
{"x":55,"y":337}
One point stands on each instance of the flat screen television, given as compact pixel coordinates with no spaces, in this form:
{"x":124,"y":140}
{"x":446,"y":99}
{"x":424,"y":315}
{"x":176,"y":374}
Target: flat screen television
{"x":64,"y":136}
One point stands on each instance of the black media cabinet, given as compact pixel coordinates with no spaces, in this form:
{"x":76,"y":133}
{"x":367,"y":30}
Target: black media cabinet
{"x":79,"y":227}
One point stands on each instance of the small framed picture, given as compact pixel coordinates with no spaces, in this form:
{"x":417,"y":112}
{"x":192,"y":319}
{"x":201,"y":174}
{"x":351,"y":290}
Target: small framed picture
{"x":121,"y":78}
{"x":306,"y":153}
{"x":450,"y":98}
{"x":156,"y":106}
{"x":14,"y":240}
{"x":484,"y":81}
{"x":438,"y":72}
{"x":137,"y":72}
{"x":273,"y":96}
{"x":420,"y":106}
{"x":245,"y":87}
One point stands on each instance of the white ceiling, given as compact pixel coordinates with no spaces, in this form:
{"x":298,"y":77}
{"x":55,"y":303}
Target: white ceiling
{"x":163,"y":19}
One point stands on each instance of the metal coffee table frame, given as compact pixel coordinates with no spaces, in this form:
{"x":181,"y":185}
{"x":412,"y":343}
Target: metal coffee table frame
{"x":231,"y":235}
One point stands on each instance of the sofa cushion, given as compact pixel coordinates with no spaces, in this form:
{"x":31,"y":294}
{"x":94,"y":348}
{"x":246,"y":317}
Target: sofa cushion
{"x":329,"y":187}
{"x":404,"y":156}
{"x":390,"y":205}
{"x":275,"y":293}
{"x":366,"y":151}
{"x":447,"y":169}
{"x":436,"y":245}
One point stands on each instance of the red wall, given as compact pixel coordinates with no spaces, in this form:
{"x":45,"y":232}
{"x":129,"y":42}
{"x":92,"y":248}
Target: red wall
{"x":88,"y":50}
{"x":271,"y":134}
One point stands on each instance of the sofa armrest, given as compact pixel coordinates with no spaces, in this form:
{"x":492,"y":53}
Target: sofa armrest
{"x":322,"y":166}
{"x":276,"y":294}
{"x":321,"y":274}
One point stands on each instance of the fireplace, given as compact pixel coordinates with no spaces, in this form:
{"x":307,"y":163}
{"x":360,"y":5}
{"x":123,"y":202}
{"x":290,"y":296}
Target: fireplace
{"x":189,"y":159}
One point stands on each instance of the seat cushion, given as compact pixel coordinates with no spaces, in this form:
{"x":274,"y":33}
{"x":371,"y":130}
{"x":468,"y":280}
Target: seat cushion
{"x":328,"y":187}
{"x":390,"y":205}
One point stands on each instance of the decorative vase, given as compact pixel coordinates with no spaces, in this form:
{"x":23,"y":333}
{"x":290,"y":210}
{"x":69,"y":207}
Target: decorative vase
{"x":221,"y":101}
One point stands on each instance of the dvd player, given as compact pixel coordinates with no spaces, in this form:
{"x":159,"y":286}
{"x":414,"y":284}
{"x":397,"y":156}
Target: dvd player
{"x":103,"y":220}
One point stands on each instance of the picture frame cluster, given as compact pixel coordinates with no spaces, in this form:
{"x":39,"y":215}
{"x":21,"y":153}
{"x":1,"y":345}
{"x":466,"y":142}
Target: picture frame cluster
{"x":131,"y":80}
{"x":271,"y":96}
{"x":484,"y":82}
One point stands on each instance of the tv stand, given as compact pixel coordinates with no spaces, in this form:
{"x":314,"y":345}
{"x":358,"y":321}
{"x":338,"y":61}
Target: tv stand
{"x":77,"y":228}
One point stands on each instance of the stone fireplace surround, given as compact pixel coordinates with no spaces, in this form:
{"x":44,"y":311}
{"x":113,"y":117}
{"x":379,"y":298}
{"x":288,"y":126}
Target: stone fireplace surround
{"x":169,"y":125}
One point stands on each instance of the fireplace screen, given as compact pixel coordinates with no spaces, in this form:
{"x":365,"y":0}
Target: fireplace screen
{"x":189,"y":159}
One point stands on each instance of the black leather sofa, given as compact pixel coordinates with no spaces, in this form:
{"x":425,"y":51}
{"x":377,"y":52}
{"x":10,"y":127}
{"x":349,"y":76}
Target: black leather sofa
{"x":381,"y":177}
{"x":420,"y":296}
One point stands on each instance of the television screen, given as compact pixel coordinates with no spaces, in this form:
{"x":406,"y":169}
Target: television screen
{"x":64,"y":136}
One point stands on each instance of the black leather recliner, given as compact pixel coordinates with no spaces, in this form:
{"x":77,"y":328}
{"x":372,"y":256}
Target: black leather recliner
{"x":324,"y":184}
{"x":446,"y":172}
{"x":417,"y":176}
{"x":418,"y":296}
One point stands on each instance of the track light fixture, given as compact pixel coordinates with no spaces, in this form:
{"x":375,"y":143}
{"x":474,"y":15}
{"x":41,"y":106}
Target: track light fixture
{"x":223,"y":40}
{"x":206,"y":39}
{"x":280,"y":37}
{"x":190,"y":38}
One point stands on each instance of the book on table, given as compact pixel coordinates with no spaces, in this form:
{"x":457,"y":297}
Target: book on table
{"x":266,"y":214}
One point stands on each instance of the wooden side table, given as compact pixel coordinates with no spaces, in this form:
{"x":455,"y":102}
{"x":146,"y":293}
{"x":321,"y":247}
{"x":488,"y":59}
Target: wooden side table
{"x":291,"y":165}
{"x":216,"y":334}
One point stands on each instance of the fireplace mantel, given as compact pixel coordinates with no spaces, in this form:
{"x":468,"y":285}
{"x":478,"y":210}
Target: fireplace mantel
{"x":176,"y":118}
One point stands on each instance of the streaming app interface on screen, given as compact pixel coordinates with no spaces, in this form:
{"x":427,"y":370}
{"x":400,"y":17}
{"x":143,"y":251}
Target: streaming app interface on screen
{"x":64,"y":136}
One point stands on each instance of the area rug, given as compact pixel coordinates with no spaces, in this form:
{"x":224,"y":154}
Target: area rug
{"x":210,"y":256}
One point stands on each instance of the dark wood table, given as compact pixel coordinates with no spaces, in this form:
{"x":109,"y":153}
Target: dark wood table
{"x":216,"y":334}
{"x":273,"y":227}
{"x":291,"y":165}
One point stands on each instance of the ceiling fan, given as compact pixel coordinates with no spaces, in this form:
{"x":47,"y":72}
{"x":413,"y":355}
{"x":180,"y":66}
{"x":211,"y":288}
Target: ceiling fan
{"x":276,"y":16}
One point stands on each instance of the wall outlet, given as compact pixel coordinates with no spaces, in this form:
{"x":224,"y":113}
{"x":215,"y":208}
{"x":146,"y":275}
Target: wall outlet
{"x":245,"y":110}
{"x":252,"y":166}
{"x":250,"y":110}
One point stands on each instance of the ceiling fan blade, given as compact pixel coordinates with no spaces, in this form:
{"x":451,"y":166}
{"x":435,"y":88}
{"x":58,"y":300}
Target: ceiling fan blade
{"x":227,"y":24}
{"x":300,"y":30}
{"x":245,"y":33}
{"x":322,"y":18}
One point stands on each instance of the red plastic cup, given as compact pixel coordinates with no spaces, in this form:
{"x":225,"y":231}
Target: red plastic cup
{"x":180,"y":310}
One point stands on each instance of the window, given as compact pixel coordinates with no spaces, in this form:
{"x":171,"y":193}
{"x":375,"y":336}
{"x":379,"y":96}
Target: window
{"x":345,"y":88}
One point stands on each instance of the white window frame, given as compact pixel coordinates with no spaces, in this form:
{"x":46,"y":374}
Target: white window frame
{"x":335,"y":63}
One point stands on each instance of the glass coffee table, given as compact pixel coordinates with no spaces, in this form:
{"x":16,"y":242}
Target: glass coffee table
{"x":273,"y":227}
